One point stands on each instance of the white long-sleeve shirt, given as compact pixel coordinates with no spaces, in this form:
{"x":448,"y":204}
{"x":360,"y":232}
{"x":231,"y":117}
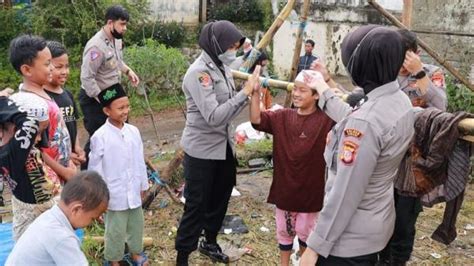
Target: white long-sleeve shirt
{"x":117,"y":155}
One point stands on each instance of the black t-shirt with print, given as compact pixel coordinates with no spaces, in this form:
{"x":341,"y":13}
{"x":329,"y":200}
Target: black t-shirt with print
{"x":68,"y":108}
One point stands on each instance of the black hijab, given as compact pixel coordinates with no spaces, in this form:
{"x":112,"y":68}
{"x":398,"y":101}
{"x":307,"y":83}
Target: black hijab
{"x":216,"y":37}
{"x":373,"y":56}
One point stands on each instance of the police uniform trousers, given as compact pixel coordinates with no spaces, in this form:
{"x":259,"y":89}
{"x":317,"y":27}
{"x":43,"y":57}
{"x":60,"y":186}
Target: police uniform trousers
{"x":364,"y":260}
{"x":207,"y":191}
{"x":400,"y":247}
{"x":94,"y":118}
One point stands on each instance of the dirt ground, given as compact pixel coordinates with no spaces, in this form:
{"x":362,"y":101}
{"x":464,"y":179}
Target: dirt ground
{"x":260,"y":244}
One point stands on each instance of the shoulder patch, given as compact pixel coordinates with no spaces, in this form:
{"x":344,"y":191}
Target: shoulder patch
{"x":351,"y":132}
{"x":204,"y":79}
{"x":349,"y":152}
{"x":94,"y":55}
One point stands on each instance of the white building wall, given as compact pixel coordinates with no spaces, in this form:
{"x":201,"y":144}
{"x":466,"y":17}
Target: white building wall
{"x":186,"y":11}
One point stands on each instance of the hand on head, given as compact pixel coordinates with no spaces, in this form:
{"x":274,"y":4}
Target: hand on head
{"x":315,"y":80}
{"x":412,"y":62}
{"x":318,"y":65}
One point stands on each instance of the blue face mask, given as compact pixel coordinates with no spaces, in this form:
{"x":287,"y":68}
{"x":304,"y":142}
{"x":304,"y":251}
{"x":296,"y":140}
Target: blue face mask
{"x":228,"y":57}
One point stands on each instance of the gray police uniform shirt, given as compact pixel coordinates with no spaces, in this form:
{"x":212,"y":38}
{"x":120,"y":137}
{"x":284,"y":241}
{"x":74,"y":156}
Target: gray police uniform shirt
{"x":49,"y":240}
{"x":436,"y":94}
{"x":363,"y":152}
{"x":102,"y":63}
{"x":212,"y":103}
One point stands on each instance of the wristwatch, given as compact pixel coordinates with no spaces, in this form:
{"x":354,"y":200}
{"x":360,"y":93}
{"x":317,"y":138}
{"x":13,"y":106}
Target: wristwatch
{"x":421,"y":74}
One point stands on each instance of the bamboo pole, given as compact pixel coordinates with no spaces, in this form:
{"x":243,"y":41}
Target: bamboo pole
{"x":445,"y":33}
{"x":466,"y":126}
{"x":299,"y":42}
{"x":268,"y":36}
{"x":274,"y":83}
{"x":406,"y":13}
{"x":423,"y":45}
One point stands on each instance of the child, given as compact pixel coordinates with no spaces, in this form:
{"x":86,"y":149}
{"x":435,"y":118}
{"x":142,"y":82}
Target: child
{"x":22,"y":163}
{"x":50,"y":239}
{"x":117,"y":154}
{"x":57,"y":152}
{"x":299,"y":138}
{"x":64,"y":98}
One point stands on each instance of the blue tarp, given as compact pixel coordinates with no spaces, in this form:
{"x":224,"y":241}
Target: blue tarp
{"x":6,"y":240}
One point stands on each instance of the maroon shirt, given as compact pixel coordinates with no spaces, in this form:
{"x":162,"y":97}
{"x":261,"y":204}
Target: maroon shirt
{"x":299,"y":167}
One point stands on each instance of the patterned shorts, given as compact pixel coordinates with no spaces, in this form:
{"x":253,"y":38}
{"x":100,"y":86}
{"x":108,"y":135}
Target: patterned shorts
{"x":24,"y":214}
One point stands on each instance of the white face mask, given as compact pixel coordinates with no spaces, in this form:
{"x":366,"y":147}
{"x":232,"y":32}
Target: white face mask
{"x":228,"y":57}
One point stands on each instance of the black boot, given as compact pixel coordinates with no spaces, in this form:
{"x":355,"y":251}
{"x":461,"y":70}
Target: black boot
{"x":213,"y":251}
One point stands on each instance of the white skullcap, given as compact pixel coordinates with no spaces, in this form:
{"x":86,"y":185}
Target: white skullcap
{"x":34,"y":105}
{"x":312,"y":73}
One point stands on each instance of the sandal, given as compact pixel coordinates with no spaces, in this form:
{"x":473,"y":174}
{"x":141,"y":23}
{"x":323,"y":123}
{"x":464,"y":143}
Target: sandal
{"x":141,"y":261}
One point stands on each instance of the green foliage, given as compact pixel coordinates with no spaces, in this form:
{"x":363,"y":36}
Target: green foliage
{"x":237,"y":11}
{"x":160,"y":70}
{"x":460,"y":98}
{"x":171,"y":34}
{"x":94,"y":251}
{"x":75,"y":22}
{"x":268,"y":18}
{"x":12,"y":24}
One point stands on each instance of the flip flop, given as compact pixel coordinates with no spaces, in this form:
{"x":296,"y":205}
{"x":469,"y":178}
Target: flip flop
{"x":140,"y":262}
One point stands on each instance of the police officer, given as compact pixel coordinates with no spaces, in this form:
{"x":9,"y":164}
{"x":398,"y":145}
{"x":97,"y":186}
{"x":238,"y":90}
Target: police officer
{"x":209,"y":162}
{"x":423,"y":83}
{"x":425,"y":86}
{"x":102,"y":66}
{"x":363,"y":152}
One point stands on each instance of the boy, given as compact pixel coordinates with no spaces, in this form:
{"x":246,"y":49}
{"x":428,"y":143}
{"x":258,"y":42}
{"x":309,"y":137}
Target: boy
{"x":64,"y":98}
{"x":31,"y":57}
{"x":21,"y":162}
{"x":297,"y":189}
{"x":50,"y":239}
{"x":117,"y":154}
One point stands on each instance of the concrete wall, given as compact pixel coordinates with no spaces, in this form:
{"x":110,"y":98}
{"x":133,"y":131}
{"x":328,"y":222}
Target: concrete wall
{"x":186,"y":11}
{"x":328,"y":22}
{"x":448,"y":15}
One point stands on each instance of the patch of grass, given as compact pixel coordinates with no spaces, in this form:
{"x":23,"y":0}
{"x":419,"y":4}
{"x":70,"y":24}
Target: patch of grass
{"x":94,"y":251}
{"x":254,"y":149}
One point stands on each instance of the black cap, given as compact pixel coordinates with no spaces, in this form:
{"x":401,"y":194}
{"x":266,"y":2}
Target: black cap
{"x":107,"y":96}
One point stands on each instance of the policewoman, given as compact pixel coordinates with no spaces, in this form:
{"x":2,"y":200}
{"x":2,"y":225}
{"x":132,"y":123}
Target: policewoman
{"x":209,"y":162}
{"x":363,"y":152}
